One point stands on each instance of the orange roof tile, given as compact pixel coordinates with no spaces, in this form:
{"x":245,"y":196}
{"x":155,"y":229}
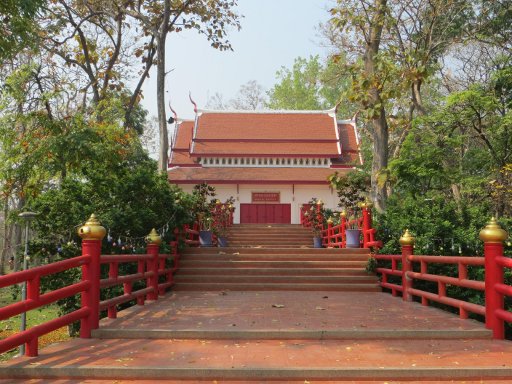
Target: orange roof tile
{"x":181,"y":158}
{"x":266,"y":125}
{"x":184,"y":134}
{"x":265,"y":149}
{"x":185,"y":175}
{"x":348,"y":137}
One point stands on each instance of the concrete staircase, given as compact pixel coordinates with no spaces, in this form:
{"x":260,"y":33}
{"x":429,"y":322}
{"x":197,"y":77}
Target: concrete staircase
{"x":260,"y":311}
{"x":273,"y":258}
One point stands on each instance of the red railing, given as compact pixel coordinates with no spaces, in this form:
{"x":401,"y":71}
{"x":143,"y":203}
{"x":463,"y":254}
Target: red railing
{"x":222,"y":218}
{"x":151,"y":269}
{"x":334,"y":236}
{"x":35,"y":300}
{"x":410,"y":268}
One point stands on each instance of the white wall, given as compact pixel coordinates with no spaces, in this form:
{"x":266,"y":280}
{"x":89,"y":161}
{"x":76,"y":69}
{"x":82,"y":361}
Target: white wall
{"x":295,"y":196}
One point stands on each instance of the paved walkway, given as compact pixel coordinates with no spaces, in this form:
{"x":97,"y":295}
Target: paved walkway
{"x":351,"y":314}
{"x":275,"y":335}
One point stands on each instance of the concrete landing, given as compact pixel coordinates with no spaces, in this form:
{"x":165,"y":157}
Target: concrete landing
{"x":282,"y":314}
{"x":274,"y":336}
{"x":268,"y":359}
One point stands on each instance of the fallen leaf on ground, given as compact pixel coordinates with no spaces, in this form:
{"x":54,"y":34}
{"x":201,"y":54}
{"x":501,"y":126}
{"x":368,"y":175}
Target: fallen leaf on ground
{"x":320,"y":308}
{"x":278,"y":305}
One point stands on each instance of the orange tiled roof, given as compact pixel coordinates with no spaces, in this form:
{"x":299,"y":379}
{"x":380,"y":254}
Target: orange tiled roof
{"x":266,"y":125}
{"x":262,"y":134}
{"x":246,"y":175}
{"x":348,"y":137}
{"x":233,"y":148}
{"x":184,"y":135}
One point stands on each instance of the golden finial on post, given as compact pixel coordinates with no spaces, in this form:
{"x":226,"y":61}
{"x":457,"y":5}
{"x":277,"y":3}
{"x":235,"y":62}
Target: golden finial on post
{"x":92,"y":229}
{"x":493,"y":233}
{"x":330,"y":221}
{"x":407,"y":238}
{"x":319,"y":202}
{"x":153,"y":237}
{"x":343,"y":213}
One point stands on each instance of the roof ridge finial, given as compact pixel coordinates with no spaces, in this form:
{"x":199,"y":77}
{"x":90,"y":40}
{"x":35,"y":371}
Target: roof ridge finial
{"x":192,"y":101}
{"x":173,"y":111}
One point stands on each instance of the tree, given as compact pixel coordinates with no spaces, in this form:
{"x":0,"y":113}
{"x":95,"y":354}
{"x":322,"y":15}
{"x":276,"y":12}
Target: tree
{"x":298,"y":88}
{"x":157,"y":19}
{"x":367,"y":19}
{"x":250,"y":96}
{"x":17,"y":27}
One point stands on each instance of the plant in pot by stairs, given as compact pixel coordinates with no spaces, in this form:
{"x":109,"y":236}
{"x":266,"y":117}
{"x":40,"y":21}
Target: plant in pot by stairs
{"x":352,"y":190}
{"x":316,"y":217}
{"x":352,"y":232}
{"x":204,"y":203}
{"x":221,"y":221}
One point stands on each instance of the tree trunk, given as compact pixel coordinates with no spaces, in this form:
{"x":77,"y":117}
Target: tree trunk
{"x":160,"y":96}
{"x":161,"y":37}
{"x":380,"y":161}
{"x":416,"y":97}
{"x":376,"y":104}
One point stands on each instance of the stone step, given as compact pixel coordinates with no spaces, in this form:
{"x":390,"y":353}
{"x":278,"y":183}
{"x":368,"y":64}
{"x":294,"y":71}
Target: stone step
{"x":277,"y":242}
{"x":302,"y":264}
{"x":225,"y":286}
{"x":262,"y":255}
{"x":274,"y":271}
{"x":252,"y":250}
{"x":233,"y":234}
{"x":290,"y":334}
{"x":285,"y":360}
{"x":256,"y":279}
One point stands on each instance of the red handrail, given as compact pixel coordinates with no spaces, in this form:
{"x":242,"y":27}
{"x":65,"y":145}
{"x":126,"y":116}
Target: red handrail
{"x":334,"y":236}
{"x":151,"y":266}
{"x":493,"y":285}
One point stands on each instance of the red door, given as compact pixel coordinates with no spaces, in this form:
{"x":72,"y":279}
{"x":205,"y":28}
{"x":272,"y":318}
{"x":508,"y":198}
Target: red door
{"x":265,"y":213}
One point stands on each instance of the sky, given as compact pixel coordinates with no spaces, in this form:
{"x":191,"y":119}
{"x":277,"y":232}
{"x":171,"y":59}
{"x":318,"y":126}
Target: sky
{"x":273,"y":34}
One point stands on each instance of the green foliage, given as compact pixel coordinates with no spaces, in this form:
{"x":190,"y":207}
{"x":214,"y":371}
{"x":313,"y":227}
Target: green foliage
{"x":351,"y":188}
{"x":17,"y":25}
{"x":310,"y":85}
{"x":317,"y":216}
{"x":203,"y":203}
{"x":440,"y":226}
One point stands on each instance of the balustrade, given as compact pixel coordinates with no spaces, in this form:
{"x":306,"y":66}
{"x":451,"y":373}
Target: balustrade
{"x":405,"y":268}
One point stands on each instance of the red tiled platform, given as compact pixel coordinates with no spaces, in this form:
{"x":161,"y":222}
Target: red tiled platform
{"x":234,"y":313}
{"x":426,"y":351}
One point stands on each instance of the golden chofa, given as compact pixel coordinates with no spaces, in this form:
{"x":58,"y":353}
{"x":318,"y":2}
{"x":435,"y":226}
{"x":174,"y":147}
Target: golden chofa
{"x":493,"y":233}
{"x":92,"y":229}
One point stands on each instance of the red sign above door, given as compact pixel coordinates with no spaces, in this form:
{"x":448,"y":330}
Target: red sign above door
{"x":266,"y":197}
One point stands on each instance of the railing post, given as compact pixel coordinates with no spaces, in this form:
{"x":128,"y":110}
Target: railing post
{"x":329,"y":232}
{"x":91,"y":233}
{"x":343,"y":229}
{"x":152,"y":248}
{"x":407,"y":243}
{"x":493,"y":237}
{"x":367,"y":222}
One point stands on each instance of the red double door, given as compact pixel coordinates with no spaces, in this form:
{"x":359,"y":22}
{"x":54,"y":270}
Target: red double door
{"x":265,"y":213}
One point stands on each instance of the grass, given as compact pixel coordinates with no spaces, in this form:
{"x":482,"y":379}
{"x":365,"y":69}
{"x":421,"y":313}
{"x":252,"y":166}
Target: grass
{"x":38,"y":316}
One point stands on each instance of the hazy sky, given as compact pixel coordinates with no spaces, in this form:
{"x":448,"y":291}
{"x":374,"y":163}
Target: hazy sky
{"x":273,"y":34}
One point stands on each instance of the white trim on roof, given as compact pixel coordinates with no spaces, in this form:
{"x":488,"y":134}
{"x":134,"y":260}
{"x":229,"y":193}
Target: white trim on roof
{"x":270,"y":111}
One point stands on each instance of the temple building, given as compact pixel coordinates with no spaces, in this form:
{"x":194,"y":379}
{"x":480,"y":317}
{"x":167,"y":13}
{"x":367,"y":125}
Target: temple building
{"x":271,"y":162}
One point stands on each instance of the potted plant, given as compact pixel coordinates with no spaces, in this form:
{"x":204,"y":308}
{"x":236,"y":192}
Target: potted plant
{"x":352,"y":232}
{"x":203,"y":210}
{"x":316,"y":216}
{"x":220,"y":223}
